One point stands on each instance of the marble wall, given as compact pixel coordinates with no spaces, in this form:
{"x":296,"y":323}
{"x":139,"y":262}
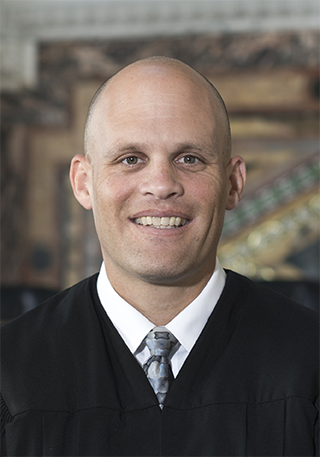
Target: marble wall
{"x":269,"y":80}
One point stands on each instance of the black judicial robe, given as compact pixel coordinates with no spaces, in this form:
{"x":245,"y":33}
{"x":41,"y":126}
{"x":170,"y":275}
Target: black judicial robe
{"x":249,"y":387}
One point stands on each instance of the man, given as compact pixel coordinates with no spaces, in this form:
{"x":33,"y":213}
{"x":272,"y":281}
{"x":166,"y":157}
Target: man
{"x":163,"y":352}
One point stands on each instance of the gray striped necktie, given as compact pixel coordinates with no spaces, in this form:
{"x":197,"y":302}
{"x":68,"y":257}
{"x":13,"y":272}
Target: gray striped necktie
{"x":161,"y":344}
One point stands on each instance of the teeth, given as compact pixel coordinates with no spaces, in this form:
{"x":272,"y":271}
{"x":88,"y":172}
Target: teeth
{"x":163,"y":222}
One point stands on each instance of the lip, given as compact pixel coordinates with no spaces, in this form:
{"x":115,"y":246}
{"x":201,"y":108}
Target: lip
{"x":163,"y":231}
{"x":157,"y":213}
{"x":154,"y":231}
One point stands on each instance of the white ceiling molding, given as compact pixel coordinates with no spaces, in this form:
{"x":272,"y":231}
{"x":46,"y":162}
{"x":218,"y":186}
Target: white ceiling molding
{"x":24,"y":23}
{"x":85,"y":19}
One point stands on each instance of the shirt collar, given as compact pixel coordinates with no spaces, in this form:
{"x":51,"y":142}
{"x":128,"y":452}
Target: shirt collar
{"x":186,"y":326}
{"x":189,"y":323}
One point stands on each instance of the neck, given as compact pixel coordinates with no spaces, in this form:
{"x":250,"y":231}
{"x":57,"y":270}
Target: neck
{"x":159,"y":303}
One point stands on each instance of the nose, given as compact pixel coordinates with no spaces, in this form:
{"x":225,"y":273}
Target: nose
{"x":161,"y":181}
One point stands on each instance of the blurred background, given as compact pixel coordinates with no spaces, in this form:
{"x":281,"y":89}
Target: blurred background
{"x":263,"y":57}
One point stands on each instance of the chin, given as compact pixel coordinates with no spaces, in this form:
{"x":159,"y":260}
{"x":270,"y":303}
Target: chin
{"x":164,"y":276}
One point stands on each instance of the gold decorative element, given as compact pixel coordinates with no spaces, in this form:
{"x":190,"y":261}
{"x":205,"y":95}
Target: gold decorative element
{"x":261,"y":251}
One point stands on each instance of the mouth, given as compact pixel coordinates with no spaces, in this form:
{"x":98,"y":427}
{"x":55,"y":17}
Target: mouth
{"x":170,"y":222}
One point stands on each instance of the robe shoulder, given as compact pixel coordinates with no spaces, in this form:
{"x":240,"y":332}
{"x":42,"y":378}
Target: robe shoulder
{"x":257,"y":347}
{"x":43,"y":349}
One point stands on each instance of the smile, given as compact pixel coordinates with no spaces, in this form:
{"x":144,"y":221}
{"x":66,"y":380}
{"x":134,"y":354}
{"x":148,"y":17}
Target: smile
{"x":161,"y":222}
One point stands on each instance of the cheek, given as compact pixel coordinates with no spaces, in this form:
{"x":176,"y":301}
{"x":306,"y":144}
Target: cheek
{"x":209,"y":192}
{"x":110,"y":195}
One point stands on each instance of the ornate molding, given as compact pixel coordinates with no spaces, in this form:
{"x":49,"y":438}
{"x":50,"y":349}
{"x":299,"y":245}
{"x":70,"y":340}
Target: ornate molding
{"x":74,"y":19}
{"x":272,"y":196}
{"x":278,"y":219}
{"x":25,"y":23}
{"x":264,"y":251}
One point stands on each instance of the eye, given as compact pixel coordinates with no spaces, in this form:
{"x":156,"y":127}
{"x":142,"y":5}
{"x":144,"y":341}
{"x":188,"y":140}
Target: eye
{"x":188,"y":159}
{"x":132,"y":160}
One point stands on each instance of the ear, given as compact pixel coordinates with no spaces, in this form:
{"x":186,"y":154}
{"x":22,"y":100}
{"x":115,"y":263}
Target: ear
{"x":236,"y":170}
{"x":80,"y":176}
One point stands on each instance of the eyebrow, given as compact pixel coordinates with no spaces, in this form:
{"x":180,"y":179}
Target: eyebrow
{"x":130,"y":147}
{"x":178,"y":147}
{"x":191,"y":147}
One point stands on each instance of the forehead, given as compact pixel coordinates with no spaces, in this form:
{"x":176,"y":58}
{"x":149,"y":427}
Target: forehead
{"x":146,"y":88}
{"x":156,"y":103}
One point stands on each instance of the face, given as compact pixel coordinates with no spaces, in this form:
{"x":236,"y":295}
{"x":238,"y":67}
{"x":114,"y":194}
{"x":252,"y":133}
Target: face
{"x":157,"y":180}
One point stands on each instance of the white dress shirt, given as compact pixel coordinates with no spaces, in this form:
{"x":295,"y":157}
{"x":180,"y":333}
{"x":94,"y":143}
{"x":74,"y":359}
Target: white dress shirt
{"x":186,"y":326}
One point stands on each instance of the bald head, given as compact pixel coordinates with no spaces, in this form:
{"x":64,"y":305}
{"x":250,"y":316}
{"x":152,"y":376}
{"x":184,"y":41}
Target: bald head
{"x":153,"y":68}
{"x":158,"y":158}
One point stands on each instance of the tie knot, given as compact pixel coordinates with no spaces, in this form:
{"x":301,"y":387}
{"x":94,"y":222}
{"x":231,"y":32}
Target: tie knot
{"x":160,"y":341}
